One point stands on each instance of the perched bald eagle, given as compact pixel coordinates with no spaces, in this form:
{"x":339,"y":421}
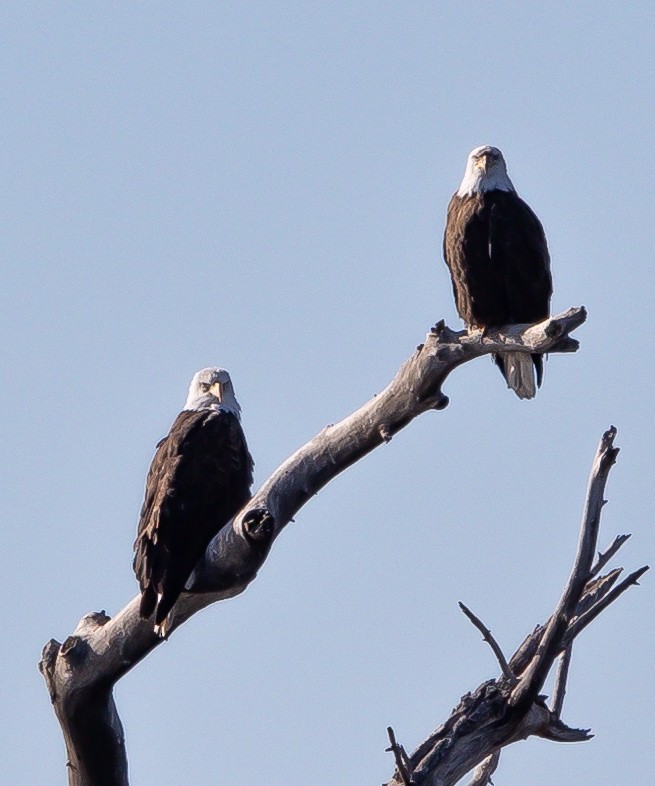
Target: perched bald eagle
{"x":495,"y":248}
{"x":199,"y":478}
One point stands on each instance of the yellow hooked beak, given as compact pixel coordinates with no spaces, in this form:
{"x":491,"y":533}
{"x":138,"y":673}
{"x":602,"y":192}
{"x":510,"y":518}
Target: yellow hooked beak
{"x":217,"y":390}
{"x":483,"y":162}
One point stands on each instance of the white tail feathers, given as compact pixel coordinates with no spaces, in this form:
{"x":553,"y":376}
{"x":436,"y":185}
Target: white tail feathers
{"x":519,"y":373}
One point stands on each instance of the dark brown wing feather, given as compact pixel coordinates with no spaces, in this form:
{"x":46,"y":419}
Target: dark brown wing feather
{"x":519,"y":249}
{"x":495,"y":248}
{"x":199,"y":478}
{"x":478,"y":286}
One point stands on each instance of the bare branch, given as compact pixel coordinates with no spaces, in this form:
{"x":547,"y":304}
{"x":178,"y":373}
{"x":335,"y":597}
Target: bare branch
{"x":238,"y":551}
{"x":400,"y":755}
{"x":581,"y":622}
{"x":606,"y":556}
{"x":491,"y":641}
{"x":484,"y":771}
{"x":415,"y":389}
{"x":93,"y":733}
{"x":556,"y":731}
{"x":560,"y":681}
{"x":594,"y":590}
{"x":551,"y":642}
{"x":490,"y":718}
{"x":80,"y":673}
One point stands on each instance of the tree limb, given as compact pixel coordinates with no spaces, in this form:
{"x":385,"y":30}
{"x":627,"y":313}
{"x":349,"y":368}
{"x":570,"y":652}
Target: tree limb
{"x":415,"y":389}
{"x":502,"y":711}
{"x":491,"y":641}
{"x":400,"y":755}
{"x":80,"y":674}
{"x":610,"y":551}
{"x":551,"y":641}
{"x":484,"y":771}
{"x":560,"y":681}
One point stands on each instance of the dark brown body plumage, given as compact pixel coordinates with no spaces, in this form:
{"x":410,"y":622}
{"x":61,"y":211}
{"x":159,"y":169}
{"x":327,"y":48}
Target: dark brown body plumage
{"x":199,"y":478}
{"x":495,"y":248}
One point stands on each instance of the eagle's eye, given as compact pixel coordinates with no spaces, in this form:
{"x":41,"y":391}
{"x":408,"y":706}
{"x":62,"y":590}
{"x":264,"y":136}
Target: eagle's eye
{"x":205,"y":386}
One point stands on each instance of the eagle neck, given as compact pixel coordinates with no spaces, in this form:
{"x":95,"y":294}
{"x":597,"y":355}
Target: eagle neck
{"x":478,"y":183}
{"x":210,"y":404}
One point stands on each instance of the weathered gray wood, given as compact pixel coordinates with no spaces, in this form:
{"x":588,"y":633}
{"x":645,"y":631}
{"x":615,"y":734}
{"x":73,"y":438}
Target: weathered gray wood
{"x":502,"y":711}
{"x":491,"y":641}
{"x":84,"y":705}
{"x":81,"y":672}
{"x":484,"y":771}
{"x":415,"y":389}
{"x":551,"y":642}
{"x":400,"y":755}
{"x":560,"y":681}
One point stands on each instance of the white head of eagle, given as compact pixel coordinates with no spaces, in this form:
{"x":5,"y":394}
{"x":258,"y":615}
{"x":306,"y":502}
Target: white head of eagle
{"x":486,"y":170}
{"x":211,"y":388}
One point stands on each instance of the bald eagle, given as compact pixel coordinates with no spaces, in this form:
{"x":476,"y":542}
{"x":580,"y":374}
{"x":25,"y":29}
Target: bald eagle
{"x":495,"y":248}
{"x":199,"y":479}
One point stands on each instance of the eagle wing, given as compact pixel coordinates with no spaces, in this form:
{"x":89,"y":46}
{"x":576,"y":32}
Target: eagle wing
{"x":520,"y":252}
{"x":199,"y":478}
{"x":478,"y":285}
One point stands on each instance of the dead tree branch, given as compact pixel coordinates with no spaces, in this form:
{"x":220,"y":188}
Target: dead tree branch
{"x":484,"y":771}
{"x":400,"y":755}
{"x":552,"y":640}
{"x":487,"y":636}
{"x":503,"y":711}
{"x":560,"y":681}
{"x":81,"y":672}
{"x":606,"y":556}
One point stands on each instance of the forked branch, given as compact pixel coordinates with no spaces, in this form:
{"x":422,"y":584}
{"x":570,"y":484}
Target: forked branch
{"x":511,"y":708}
{"x":81,"y":673}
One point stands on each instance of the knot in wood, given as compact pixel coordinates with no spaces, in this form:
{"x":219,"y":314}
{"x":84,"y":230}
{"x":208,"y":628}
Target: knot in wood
{"x":74,"y":649}
{"x":98,"y":618}
{"x":258,"y":524}
{"x":554,"y":329}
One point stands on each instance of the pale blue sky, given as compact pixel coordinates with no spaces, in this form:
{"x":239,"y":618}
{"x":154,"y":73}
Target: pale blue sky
{"x":263,"y":186}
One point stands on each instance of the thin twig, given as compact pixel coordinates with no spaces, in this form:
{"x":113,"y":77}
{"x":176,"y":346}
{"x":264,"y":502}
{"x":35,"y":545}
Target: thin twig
{"x":581,"y":622}
{"x":597,"y":588}
{"x":486,"y":635}
{"x":605,"y":556}
{"x":560,"y":681}
{"x":402,"y":760}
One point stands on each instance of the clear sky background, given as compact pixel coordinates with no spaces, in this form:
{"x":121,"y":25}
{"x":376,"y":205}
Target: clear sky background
{"x":263,"y":186}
